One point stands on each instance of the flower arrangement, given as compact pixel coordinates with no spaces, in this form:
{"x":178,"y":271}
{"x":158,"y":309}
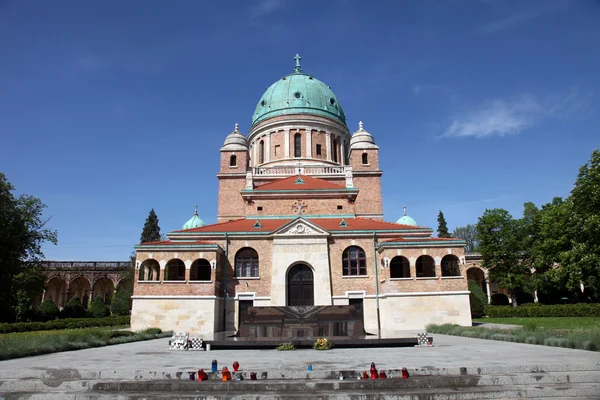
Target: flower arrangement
{"x":286,"y":346}
{"x":322,"y":344}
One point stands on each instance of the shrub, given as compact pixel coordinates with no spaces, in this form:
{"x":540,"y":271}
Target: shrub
{"x":73,"y":309}
{"x":63,"y":324}
{"x":152,"y":331}
{"x":286,"y":346}
{"x":47,"y":311}
{"x":121,"y":303}
{"x":499,"y":299}
{"x":477,"y":299}
{"x":322,"y":344}
{"x":98,"y":309}
{"x":540,"y":310}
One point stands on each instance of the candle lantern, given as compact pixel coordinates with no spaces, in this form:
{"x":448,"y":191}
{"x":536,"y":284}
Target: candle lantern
{"x":192,"y":375}
{"x":214,"y":366}
{"x":226,"y":374}
{"x":201,"y":375}
{"x":405,"y":373}
{"x":252,"y":376}
{"x":373,"y":371}
{"x":382,"y":375}
{"x":236,"y":366}
{"x":365,"y":375}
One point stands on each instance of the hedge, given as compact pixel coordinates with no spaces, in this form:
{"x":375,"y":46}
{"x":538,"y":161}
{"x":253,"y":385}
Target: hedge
{"x":541,"y":310}
{"x":69,"y":323}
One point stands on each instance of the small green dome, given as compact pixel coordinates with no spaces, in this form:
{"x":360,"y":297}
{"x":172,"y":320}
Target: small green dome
{"x":194,"y":222}
{"x":298,"y":93}
{"x":406,"y":220}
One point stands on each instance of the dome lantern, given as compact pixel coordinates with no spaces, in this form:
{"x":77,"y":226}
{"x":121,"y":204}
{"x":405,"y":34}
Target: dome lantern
{"x":406,"y":220}
{"x":361,"y":139}
{"x":235,"y":141}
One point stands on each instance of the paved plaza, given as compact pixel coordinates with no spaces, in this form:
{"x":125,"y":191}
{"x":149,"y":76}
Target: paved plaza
{"x":449,"y":352}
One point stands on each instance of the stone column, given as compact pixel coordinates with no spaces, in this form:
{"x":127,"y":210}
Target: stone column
{"x":489,"y":291}
{"x":286,"y":143}
{"x":343,"y":152}
{"x":43,"y":295}
{"x":535,"y":297}
{"x":308,"y":133}
{"x":268,"y":147}
{"x":254,"y":163}
{"x":328,"y":145}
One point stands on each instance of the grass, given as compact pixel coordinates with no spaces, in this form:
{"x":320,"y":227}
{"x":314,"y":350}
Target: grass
{"x":25,"y":344}
{"x":569,"y":323}
{"x":531,"y":333}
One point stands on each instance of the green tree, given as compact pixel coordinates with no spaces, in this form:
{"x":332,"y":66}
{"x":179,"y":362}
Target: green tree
{"x":98,"y":309}
{"x":501,"y":241}
{"x":581,"y":263}
{"x":469,"y":235}
{"x":442,"y":226}
{"x":47,"y":311}
{"x":22,"y":234}
{"x":477,"y":300}
{"x":30,"y":282}
{"x":73,"y":309}
{"x":151,"y":231}
{"x":121,"y":303}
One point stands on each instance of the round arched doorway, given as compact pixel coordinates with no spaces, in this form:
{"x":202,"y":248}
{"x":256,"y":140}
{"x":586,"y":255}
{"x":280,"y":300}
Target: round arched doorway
{"x":300,"y":286}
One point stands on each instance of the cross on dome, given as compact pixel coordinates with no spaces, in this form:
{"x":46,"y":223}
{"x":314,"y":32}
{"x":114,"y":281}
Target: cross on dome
{"x":360,"y":126}
{"x":298,"y":67}
{"x":404,"y":210}
{"x":196,"y":209}
{"x":236,"y":127}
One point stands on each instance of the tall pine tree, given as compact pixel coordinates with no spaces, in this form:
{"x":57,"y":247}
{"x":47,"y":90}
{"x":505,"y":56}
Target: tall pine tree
{"x":151,"y":231}
{"x":442,"y":226}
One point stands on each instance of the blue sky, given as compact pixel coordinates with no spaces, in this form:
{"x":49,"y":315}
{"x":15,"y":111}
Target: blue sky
{"x":110,"y":108}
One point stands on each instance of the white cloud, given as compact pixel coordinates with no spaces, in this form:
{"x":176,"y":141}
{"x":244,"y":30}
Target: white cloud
{"x":265,"y":7}
{"x":522,"y":17}
{"x":497,"y":118}
{"x":510,"y":117}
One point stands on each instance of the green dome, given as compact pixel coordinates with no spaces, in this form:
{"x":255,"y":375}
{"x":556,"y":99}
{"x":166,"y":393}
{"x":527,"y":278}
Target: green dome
{"x":298,"y":93}
{"x":194,"y":222}
{"x":406,"y":220}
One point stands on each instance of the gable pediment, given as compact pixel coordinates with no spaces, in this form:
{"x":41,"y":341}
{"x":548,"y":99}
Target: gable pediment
{"x":300,"y":227}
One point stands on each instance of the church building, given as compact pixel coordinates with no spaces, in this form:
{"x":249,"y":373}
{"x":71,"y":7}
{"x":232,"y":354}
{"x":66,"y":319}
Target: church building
{"x":300,"y":223}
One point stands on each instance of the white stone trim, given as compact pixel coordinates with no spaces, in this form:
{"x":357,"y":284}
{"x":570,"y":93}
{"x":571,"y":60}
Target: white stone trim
{"x":286,"y":144}
{"x":453,"y":277}
{"x":354,"y":276}
{"x":195,"y":281}
{"x":148,"y":281}
{"x":247,"y":277}
{"x":402,"y":279}
{"x":174,"y":297}
{"x":184,"y":281}
{"x":424,"y":278}
{"x":414,"y":294}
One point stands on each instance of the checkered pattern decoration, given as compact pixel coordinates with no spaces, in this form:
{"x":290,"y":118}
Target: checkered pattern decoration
{"x":422,"y":339}
{"x":179,"y":341}
{"x":195,"y":344}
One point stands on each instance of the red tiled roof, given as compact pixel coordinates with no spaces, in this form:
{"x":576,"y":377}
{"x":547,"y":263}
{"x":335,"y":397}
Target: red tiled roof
{"x":333,"y":224}
{"x":420,"y":239}
{"x":329,"y":224}
{"x":170,"y":242}
{"x":310,"y":183}
{"x":241,"y":225}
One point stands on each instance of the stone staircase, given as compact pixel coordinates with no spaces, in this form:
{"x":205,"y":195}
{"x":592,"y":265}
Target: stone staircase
{"x":509,"y":382}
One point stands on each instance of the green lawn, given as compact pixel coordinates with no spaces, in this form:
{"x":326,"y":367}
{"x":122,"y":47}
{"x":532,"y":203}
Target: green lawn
{"x":570,"y":323}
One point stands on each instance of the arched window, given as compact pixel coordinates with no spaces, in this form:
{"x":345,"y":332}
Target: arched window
{"x":425,"y":267}
{"x":175,"y":270}
{"x":246,"y":263}
{"x":200,"y":270}
{"x":354,"y":261}
{"x":450,"y":265}
{"x":365,"y":158}
{"x":149,"y":270}
{"x":261,"y":152}
{"x":298,"y":145}
{"x":233,"y":161}
{"x":399,"y":267}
